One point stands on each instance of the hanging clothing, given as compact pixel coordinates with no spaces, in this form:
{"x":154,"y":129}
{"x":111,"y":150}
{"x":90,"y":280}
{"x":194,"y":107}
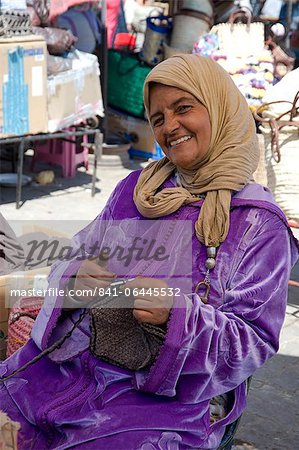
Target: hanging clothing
{"x":83,"y":22}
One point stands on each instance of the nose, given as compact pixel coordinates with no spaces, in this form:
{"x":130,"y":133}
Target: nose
{"x":171,"y":123}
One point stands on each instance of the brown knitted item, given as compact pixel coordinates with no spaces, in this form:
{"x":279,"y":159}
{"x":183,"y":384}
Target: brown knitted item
{"x":117,"y":337}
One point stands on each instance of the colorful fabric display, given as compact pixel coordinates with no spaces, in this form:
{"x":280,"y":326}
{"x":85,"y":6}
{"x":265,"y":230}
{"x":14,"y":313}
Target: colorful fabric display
{"x":253,"y":74}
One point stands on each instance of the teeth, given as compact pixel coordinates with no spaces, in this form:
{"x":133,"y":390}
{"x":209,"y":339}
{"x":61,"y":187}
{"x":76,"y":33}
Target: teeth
{"x":178,"y":141}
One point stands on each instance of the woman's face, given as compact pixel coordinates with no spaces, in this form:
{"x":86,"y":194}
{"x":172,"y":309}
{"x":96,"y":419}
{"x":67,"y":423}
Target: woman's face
{"x":181,"y":125}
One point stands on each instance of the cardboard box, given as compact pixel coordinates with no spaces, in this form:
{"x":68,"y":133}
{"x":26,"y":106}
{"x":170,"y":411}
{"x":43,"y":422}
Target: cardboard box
{"x":137,"y":131}
{"x":75,"y":95}
{"x":23,"y":86}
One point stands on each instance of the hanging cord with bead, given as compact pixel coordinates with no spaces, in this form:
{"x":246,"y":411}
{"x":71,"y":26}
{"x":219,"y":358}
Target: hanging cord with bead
{"x":210,"y":264}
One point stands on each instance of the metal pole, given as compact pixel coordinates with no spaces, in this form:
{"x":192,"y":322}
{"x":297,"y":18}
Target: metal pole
{"x":288,"y":22}
{"x":104,"y":66}
{"x":174,"y":7}
{"x":98,"y":150}
{"x":48,"y":136}
{"x":37,"y":137}
{"x":289,"y":13}
{"x":20,"y":172}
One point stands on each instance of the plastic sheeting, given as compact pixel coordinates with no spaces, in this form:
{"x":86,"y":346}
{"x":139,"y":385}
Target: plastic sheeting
{"x":35,"y":20}
{"x":58,"y":41}
{"x":57,"y":64}
{"x":41,"y":8}
{"x":75,"y":95}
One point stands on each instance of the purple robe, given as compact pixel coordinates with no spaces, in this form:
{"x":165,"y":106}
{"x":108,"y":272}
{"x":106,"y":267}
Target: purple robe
{"x":73,"y":400}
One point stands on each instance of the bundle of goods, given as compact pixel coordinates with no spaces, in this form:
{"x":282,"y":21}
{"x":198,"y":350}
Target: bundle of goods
{"x":59,"y":41}
{"x":45,"y":11}
{"x":157,"y":31}
{"x":280,"y":127}
{"x":21,"y":319}
{"x":193,"y":20}
{"x":125,"y":82}
{"x":39,"y":11}
{"x":239,"y":48}
{"x":84,"y":23}
{"x":13,"y":23}
{"x":58,"y":7}
{"x":23,"y":92}
{"x":14,"y":19}
{"x":188,"y":26}
{"x":74,"y":95}
{"x":70,"y":95}
{"x":240,"y":39}
{"x":283,"y":58}
{"x":124,"y":41}
{"x":137,"y":14}
{"x":57,"y":64}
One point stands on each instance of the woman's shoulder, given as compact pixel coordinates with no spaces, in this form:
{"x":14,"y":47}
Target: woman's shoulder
{"x":121,"y":201}
{"x":255,"y":204}
{"x":255,"y":212}
{"x":130,"y":180}
{"x":254,"y":195}
{"x":255,"y":191}
{"x":127,"y":184}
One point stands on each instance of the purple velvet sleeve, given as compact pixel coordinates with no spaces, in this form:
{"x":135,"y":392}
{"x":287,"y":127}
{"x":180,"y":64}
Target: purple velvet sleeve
{"x":45,"y":331}
{"x":214,"y":350}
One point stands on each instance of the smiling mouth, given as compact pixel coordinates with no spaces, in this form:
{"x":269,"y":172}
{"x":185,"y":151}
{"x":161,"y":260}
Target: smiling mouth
{"x":179,"y":141}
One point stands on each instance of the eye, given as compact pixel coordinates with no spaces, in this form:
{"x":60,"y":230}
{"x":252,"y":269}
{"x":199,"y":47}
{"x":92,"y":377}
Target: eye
{"x":183,"y":108}
{"x":157,"y":122}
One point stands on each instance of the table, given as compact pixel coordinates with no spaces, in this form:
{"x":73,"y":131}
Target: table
{"x":79,"y":131}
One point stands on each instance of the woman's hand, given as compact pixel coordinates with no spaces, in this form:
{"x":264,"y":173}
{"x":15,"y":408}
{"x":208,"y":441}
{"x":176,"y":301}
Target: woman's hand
{"x":153,"y":300}
{"x":91,"y":276}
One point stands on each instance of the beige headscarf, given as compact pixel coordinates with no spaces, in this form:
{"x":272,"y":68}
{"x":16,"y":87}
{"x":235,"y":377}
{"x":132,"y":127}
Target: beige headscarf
{"x":231,"y":159}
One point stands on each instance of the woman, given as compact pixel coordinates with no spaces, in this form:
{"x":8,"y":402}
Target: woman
{"x":212,"y":339}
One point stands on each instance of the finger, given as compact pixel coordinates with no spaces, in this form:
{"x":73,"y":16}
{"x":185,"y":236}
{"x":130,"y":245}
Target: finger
{"x":100,"y":272}
{"x":143,"y":316}
{"x":158,"y":313}
{"x":155,"y":316}
{"x":152,"y":301}
{"x":95,"y":271}
{"x":145,"y":304}
{"x":91,"y":283}
{"x":94,"y":259}
{"x":94,"y":263}
{"x":86,"y":281}
{"x":145,"y":282}
{"x":95,"y":279}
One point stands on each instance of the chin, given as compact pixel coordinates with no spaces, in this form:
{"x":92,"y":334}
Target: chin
{"x":184,"y":164}
{"x":184,"y":161}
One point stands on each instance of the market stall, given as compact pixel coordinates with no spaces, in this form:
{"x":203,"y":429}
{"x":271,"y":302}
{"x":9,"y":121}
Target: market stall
{"x":157,"y":30}
{"x":252,"y":49}
{"x":246,"y":46}
{"x":49,"y":90}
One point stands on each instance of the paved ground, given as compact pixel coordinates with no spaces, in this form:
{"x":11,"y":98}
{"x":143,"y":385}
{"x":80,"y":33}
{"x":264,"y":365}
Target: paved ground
{"x":271,"y":421}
